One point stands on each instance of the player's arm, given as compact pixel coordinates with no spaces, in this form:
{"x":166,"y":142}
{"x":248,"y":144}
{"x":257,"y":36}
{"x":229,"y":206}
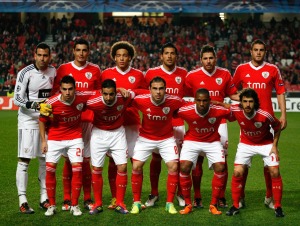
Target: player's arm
{"x":282,"y":106}
{"x":275,"y":143}
{"x":42,"y":125}
{"x":235,"y":96}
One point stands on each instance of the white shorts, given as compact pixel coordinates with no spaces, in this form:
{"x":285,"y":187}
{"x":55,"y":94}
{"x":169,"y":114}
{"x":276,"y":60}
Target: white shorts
{"x":191,"y":149}
{"x":73,"y":149}
{"x":29,"y":143}
{"x":223,"y":131}
{"x":167,"y":149}
{"x":112,"y":141}
{"x":179,"y":132}
{"x":132,"y":133}
{"x":245,"y":153}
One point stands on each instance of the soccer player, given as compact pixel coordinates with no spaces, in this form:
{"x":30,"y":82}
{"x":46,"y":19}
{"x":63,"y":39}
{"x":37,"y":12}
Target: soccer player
{"x":87,"y":77}
{"x":108,"y":136}
{"x":219,"y":83}
{"x":263,"y":77}
{"x":127,"y":77}
{"x":175,"y":79}
{"x":156,"y":134}
{"x":33,"y":85}
{"x":203,"y":119}
{"x":255,"y":138}
{"x":64,"y":137}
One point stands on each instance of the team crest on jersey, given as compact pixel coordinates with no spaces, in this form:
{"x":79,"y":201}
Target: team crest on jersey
{"x":88,"y":75}
{"x":79,"y":107}
{"x":120,"y":107}
{"x":166,"y":110}
{"x":219,"y":81}
{"x":265,"y":74}
{"x":212,"y":120}
{"x":131,"y":79}
{"x":178,"y":80}
{"x":258,"y":124}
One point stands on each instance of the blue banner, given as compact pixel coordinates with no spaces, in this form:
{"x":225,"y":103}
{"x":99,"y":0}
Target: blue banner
{"x":171,"y":6}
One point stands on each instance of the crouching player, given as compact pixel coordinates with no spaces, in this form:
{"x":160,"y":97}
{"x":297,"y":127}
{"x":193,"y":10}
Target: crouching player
{"x":255,"y":138}
{"x":64,"y":137}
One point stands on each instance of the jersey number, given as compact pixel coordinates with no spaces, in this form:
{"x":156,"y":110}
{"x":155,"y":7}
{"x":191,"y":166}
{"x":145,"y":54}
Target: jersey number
{"x":79,"y":152}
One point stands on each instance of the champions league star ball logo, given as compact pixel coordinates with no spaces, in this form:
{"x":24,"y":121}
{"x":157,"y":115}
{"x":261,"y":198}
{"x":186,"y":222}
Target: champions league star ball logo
{"x":240,"y":6}
{"x":64,"y":5}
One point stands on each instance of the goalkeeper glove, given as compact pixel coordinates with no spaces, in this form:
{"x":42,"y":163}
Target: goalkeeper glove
{"x":45,"y":109}
{"x":33,"y":105}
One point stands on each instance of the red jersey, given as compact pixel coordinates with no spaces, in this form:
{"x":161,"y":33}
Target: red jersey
{"x":108,"y":117}
{"x":255,"y":130}
{"x":87,"y":78}
{"x":262,"y":79}
{"x":130,"y":79}
{"x":203,"y":128}
{"x":218,"y":83}
{"x":175,"y":83}
{"x":157,"y":119}
{"x":65,"y":123}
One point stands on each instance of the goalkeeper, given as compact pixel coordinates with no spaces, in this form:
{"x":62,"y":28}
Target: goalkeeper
{"x":33,"y":85}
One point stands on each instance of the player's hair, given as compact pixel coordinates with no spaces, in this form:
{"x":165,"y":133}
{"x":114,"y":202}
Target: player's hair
{"x":168,"y":45}
{"x":109,"y":83}
{"x":157,"y":79}
{"x":207,"y":49}
{"x":81,"y":41}
{"x":42,"y":45}
{"x":122,"y":45}
{"x":258,"y":41}
{"x":202,"y":91}
{"x":250,"y":93}
{"x":68,"y":80}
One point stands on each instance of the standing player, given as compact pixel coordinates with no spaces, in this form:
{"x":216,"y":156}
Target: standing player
{"x":175,"y":79}
{"x":204,"y":120}
{"x":108,"y":135}
{"x":87,"y":77}
{"x":33,"y":85}
{"x":125,"y":76}
{"x":255,"y":138}
{"x":156,"y":134}
{"x":64,"y":137}
{"x":263,"y":77}
{"x":219,"y":83}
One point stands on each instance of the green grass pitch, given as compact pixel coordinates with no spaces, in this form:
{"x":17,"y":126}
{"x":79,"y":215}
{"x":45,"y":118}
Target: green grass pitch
{"x":255,"y":212}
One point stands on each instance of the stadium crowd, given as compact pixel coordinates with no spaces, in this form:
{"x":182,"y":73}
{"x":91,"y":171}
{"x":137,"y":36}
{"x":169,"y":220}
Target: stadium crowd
{"x":231,"y":39}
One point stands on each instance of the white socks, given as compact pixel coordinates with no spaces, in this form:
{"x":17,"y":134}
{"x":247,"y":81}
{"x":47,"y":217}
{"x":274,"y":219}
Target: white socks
{"x":42,"y":179}
{"x":21,"y":181}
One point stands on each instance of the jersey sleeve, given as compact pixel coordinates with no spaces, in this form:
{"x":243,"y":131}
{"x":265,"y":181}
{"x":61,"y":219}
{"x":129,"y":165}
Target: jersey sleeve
{"x":20,"y":89}
{"x":56,"y":84}
{"x":279,"y":84}
{"x":97,"y":85}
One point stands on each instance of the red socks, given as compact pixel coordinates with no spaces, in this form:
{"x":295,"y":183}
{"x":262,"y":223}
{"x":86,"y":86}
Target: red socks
{"x":172,"y":183}
{"x":155,"y":169}
{"x":186,"y":184}
{"x":51,"y":183}
{"x":67,"y":177}
{"x":197,"y":176}
{"x":236,"y":190}
{"x":217,"y":185}
{"x":76,"y":183}
{"x":112,"y":174}
{"x":97,"y":183}
{"x":86,"y":179}
{"x":121,"y":184}
{"x":136,"y":184}
{"x":277,"y":188}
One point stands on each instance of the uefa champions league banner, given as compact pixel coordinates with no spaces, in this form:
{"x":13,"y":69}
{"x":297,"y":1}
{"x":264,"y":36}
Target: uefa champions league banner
{"x":168,"y":6}
{"x":292,"y":104}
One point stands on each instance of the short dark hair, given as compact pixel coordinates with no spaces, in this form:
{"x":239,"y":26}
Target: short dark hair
{"x":42,"y":45}
{"x":68,"y":79}
{"x":109,"y":83}
{"x":158,"y":79}
{"x":250,"y":93}
{"x":258,"y":41}
{"x":122,"y":45}
{"x":202,"y":91}
{"x":168,"y":45}
{"x":207,"y":49}
{"x":81,"y":41}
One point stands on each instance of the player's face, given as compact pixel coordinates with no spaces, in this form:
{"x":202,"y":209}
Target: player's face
{"x":109,"y":95}
{"x":208,"y":61}
{"x":67,"y":92}
{"x":158,"y":91}
{"x":81,"y":53}
{"x":169,"y":58}
{"x":42,"y":58}
{"x":258,"y":53}
{"x":202,"y":103}
{"x":248,"y":105}
{"x":122,"y":59}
